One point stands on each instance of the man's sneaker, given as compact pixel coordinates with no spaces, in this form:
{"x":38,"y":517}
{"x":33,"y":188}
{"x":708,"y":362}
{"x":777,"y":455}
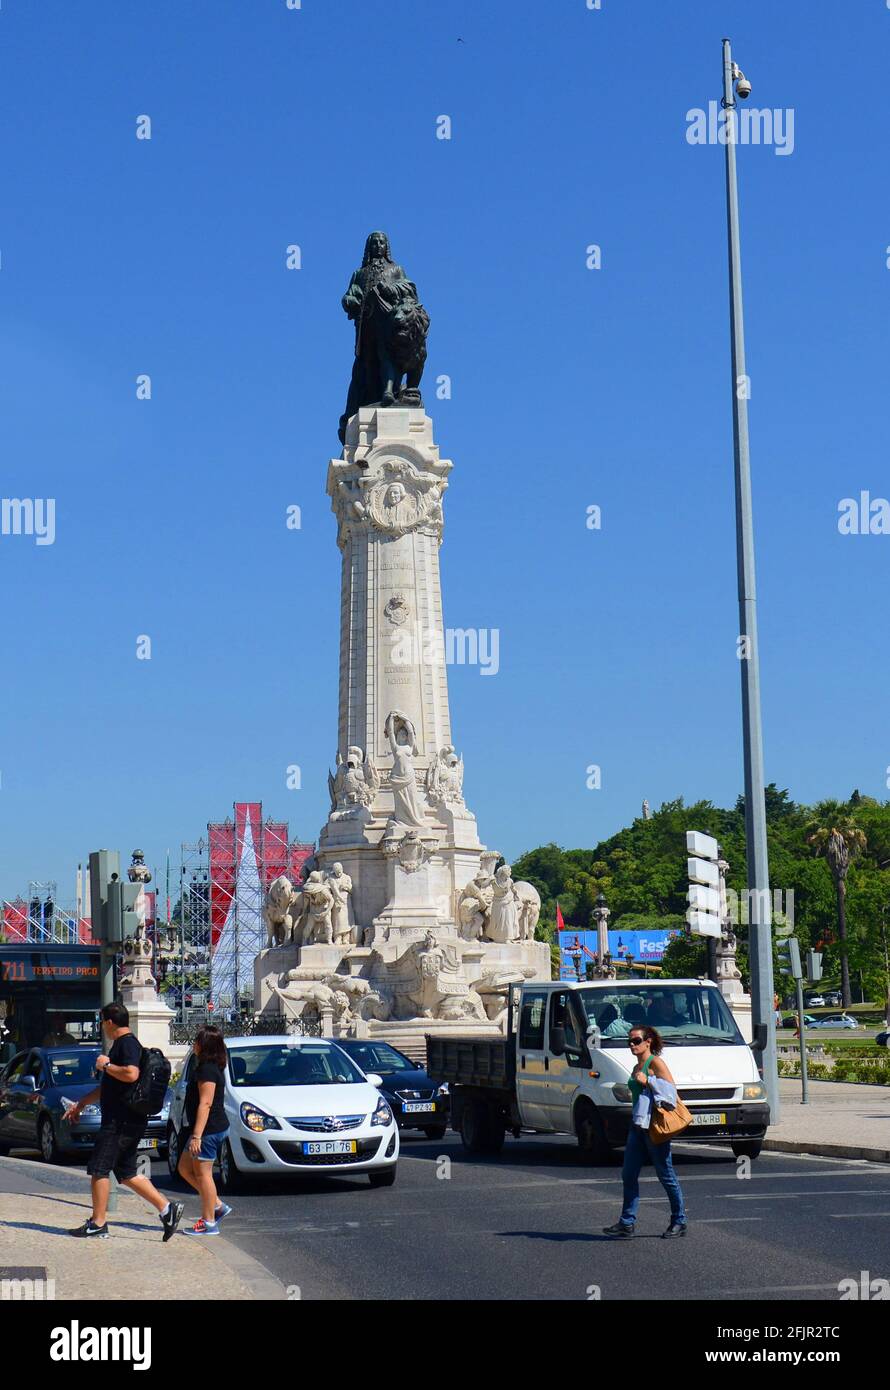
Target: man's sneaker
{"x":201,"y":1228}
{"x":221,"y":1212}
{"x":619,"y":1229}
{"x":89,"y":1228}
{"x":676,"y":1228}
{"x":172,"y":1219}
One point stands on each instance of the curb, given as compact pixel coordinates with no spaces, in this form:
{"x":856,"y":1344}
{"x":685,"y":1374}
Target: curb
{"x":260,"y":1282}
{"x":824,"y":1150}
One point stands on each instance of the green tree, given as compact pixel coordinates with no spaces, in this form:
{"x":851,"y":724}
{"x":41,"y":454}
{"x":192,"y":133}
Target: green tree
{"x":836,"y":838}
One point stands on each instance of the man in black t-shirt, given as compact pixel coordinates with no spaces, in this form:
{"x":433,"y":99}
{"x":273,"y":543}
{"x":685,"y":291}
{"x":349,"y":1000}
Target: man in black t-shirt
{"x":120,"y":1132}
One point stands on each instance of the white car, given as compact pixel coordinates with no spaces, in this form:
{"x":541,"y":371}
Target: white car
{"x":296,"y":1105}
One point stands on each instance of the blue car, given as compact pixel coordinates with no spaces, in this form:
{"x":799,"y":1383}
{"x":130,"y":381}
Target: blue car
{"x":416,"y":1100}
{"x":32,"y":1088}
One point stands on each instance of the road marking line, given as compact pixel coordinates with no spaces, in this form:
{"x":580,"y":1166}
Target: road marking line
{"x":855,"y":1215}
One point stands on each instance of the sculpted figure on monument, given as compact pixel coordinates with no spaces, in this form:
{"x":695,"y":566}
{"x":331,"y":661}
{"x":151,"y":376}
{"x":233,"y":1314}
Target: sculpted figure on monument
{"x":279,"y":910}
{"x":340,"y":887}
{"x":528,"y":908}
{"x":475,"y":905}
{"x":445,"y":777}
{"x":402,"y":738}
{"x":390,"y":332}
{"x":354,"y":785}
{"x":318,"y":902}
{"x":503,"y":920}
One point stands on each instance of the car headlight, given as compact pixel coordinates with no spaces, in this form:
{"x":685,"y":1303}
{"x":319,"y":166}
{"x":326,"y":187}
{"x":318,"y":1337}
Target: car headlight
{"x":755,"y":1091}
{"x":382,"y":1115}
{"x":443,"y":1089}
{"x":89,"y":1112}
{"x":257,"y":1119}
{"x":622,"y":1093}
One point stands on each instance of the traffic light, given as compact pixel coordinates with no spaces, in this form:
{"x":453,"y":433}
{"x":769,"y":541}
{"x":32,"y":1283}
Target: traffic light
{"x":120,"y":919}
{"x":105,"y":868}
{"x":814,"y":966}
{"x":789,"y":958}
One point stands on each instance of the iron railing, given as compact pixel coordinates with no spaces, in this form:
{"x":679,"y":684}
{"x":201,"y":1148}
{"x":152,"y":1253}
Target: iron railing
{"x":254,"y":1026}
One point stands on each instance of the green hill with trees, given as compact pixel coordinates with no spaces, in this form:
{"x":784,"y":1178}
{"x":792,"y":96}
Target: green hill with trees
{"x":833,"y":857}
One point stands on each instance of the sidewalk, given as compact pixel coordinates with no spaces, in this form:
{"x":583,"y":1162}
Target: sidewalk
{"x":42,"y":1206}
{"x":840,"y":1121}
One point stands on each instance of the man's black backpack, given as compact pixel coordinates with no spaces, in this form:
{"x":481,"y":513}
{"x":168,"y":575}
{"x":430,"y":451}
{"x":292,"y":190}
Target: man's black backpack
{"x":147,"y":1095}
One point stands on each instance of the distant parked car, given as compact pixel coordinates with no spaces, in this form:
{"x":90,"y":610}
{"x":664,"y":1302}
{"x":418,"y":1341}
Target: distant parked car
{"x":416,"y":1100}
{"x":32,"y":1088}
{"x":818,"y":1001}
{"x":835,"y":1021}
{"x":883,"y":1038}
{"x":834,"y":999}
{"x":791,"y":1021}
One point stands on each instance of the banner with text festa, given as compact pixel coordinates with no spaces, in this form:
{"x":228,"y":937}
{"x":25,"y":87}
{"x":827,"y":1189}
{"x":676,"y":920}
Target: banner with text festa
{"x":643,"y":947}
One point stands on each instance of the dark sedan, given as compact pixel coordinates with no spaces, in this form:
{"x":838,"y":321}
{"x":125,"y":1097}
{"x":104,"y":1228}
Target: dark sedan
{"x":33,"y":1087}
{"x":416,"y":1100}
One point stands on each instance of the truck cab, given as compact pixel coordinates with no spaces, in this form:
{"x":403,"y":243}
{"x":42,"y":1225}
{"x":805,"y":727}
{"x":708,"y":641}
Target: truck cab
{"x":564,"y":1067}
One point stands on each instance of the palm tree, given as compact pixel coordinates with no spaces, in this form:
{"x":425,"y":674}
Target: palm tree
{"x":835,"y":837}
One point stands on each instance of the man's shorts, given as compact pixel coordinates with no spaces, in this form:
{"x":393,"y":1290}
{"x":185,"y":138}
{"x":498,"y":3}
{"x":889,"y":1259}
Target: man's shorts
{"x":117,"y":1150}
{"x":210,"y":1144}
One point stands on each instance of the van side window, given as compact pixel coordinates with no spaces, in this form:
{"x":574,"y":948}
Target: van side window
{"x":562,"y":1014}
{"x":531,"y":1022}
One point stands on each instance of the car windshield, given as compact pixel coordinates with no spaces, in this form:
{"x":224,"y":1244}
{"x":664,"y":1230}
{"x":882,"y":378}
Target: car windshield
{"x":380,"y":1057}
{"x":73,"y":1068}
{"x":685,"y":1015}
{"x":280,"y":1064}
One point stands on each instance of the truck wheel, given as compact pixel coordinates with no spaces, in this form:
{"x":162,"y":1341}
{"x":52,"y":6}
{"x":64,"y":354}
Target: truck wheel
{"x":591,"y":1135}
{"x":480,"y":1130}
{"x":747,"y":1148}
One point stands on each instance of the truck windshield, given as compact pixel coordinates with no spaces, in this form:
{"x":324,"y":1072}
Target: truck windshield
{"x":685,"y":1015}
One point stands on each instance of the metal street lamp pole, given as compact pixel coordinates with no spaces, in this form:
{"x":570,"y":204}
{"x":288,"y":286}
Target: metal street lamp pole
{"x":760,"y":926}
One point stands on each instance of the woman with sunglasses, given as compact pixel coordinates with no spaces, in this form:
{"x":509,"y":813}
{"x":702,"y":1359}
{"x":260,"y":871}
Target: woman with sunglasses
{"x":646,"y":1045}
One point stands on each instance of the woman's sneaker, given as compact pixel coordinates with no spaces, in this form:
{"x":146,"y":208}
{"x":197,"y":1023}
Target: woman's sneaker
{"x":619,"y":1229}
{"x":171,"y":1218}
{"x":221,"y":1212}
{"x":201,"y":1228}
{"x":89,"y":1228}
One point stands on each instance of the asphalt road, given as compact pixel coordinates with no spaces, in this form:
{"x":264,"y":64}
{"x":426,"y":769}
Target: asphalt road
{"x":527,"y":1226}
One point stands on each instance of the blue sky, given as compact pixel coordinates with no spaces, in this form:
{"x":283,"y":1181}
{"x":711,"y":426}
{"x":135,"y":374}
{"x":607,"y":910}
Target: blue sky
{"x":571,"y":388}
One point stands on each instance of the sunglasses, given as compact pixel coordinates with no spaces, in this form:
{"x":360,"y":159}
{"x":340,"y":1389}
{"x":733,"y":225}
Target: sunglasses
{"x":636,"y":1042}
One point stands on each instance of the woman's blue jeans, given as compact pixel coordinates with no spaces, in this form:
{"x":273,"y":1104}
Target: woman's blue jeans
{"x":638,"y":1147}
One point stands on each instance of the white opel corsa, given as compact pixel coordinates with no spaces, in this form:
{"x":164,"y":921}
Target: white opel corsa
{"x":296,"y":1105}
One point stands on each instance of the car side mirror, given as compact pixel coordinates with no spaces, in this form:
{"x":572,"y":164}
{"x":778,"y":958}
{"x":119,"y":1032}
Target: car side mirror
{"x":557,"y":1041}
{"x":758,"y":1042}
{"x":374,"y":1079}
{"x":29,"y":1082}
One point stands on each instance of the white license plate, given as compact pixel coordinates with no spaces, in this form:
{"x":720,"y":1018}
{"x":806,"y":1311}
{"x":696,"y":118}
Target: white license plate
{"x":148,"y":1143}
{"x":417,"y":1107}
{"x":330,"y":1146}
{"x":708,"y":1117}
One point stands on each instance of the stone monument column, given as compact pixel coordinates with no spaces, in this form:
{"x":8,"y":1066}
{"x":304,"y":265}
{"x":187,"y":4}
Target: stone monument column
{"x":404,"y":922}
{"x":386,"y":492}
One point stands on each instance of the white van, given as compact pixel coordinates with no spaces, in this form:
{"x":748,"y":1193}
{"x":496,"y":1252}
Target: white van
{"x":566,"y":1066}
